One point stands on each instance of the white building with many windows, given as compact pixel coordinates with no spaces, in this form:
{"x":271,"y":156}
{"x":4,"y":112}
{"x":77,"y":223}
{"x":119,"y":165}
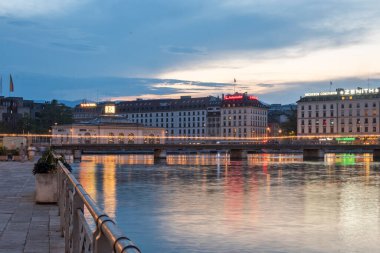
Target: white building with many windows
{"x":243,"y":116}
{"x":107,"y":130}
{"x":340,"y":112}
{"x":185,"y":117}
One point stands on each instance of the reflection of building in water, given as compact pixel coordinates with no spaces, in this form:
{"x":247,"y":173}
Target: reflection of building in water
{"x":109,"y":185}
{"x":107,"y":130}
{"x":273,"y":158}
{"x":348,"y":159}
{"x":120,"y":159}
{"x":234,"y":194}
{"x":87,"y":177}
{"x":359,"y":216}
{"x":201,"y":159}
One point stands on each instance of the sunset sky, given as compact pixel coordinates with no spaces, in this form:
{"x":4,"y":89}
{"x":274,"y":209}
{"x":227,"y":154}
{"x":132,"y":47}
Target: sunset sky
{"x":127,"y":49}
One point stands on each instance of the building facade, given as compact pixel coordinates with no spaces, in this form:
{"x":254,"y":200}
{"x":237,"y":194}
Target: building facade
{"x":340,"y":112}
{"x":185,"y":117}
{"x":88,"y":111}
{"x":243,"y":116}
{"x":188,"y":118}
{"x":107,"y":130}
{"x":15,"y":108}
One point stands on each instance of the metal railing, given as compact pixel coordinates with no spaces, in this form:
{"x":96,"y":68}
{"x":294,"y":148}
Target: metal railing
{"x":79,"y":237}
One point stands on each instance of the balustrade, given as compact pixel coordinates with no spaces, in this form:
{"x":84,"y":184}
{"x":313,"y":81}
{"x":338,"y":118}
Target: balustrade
{"x":79,"y":237}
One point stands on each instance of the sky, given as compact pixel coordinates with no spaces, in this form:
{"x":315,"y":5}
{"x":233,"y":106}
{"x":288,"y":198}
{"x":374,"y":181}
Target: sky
{"x":127,"y":49}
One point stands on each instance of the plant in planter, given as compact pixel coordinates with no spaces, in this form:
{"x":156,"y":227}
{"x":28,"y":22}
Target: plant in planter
{"x":45,"y":171}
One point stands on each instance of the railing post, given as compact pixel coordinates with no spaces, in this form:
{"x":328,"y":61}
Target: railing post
{"x":63,"y":203}
{"x":100,"y":241}
{"x":68,"y":207}
{"x":76,"y":204}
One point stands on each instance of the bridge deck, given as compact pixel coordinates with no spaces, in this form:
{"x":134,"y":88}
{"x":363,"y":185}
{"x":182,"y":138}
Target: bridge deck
{"x":25,"y":226}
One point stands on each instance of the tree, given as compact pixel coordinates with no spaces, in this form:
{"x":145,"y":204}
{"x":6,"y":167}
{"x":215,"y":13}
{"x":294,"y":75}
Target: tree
{"x":53,"y":113}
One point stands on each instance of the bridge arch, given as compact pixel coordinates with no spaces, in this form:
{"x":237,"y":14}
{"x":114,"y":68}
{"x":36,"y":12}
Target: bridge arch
{"x":111,"y":138}
{"x":131,"y":138}
{"x":121,"y":138}
{"x":87,"y":138}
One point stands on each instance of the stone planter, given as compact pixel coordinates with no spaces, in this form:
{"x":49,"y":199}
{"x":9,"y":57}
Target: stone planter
{"x":47,"y":188}
{"x":3,"y":158}
{"x":16,"y":158}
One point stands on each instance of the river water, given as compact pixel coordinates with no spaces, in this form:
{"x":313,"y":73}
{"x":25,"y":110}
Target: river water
{"x":267,"y":203}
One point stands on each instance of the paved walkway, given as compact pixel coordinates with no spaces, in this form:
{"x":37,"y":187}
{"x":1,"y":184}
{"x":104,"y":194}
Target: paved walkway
{"x":25,"y":226}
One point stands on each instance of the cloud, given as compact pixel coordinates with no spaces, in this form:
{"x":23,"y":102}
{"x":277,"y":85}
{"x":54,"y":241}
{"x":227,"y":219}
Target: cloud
{"x":185,"y":50}
{"x":30,"y":8}
{"x":78,"y":47}
{"x":294,"y":64}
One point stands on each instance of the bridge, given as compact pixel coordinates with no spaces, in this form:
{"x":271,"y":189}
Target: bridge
{"x":236,"y":151}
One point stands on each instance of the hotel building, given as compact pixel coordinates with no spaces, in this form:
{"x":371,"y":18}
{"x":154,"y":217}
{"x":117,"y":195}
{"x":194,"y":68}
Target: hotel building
{"x":340,"y":112}
{"x":243,"y":116}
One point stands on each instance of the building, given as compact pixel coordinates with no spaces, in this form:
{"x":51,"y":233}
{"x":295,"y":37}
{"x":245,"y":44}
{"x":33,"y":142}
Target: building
{"x":184,"y":118}
{"x":340,"y":112}
{"x":279,"y":113}
{"x":107,"y":130}
{"x":188,"y":118}
{"x":88,"y":111}
{"x":243,"y":116}
{"x":13,"y":109}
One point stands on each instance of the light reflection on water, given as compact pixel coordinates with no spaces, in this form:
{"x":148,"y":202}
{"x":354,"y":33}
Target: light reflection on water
{"x":268,"y":203}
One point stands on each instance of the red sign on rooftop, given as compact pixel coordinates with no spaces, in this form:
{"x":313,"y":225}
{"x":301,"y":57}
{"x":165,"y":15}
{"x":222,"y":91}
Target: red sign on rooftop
{"x":238,"y":97}
{"x":233,"y":97}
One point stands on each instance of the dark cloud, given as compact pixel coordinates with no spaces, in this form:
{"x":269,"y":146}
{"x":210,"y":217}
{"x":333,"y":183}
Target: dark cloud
{"x":265,"y":85}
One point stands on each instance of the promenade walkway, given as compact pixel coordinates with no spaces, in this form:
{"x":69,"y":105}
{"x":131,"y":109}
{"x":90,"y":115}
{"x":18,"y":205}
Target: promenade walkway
{"x":25,"y":226}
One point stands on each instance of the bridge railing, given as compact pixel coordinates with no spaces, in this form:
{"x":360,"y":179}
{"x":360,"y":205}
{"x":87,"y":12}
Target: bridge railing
{"x":79,"y":237}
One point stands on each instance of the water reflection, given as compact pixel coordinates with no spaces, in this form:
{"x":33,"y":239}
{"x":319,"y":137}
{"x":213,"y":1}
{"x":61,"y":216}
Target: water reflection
{"x":269,"y":203}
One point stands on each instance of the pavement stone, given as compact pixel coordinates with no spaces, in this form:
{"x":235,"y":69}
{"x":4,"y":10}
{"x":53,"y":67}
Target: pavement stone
{"x":25,"y":227}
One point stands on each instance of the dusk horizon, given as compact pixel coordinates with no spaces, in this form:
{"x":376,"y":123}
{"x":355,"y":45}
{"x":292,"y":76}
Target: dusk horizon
{"x":127,"y":50}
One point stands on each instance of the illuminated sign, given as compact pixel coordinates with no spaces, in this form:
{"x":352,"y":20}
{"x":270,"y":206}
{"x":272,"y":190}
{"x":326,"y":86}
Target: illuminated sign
{"x":238,"y":97}
{"x":358,"y":91}
{"x":233,"y":97}
{"x":88,"y":105}
{"x":346,"y":139}
{"x":343,"y":92}
{"x":326,"y":93}
{"x":110,"y":109}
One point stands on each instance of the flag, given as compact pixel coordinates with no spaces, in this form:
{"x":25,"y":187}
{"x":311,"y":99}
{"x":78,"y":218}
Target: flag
{"x":11,"y":86}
